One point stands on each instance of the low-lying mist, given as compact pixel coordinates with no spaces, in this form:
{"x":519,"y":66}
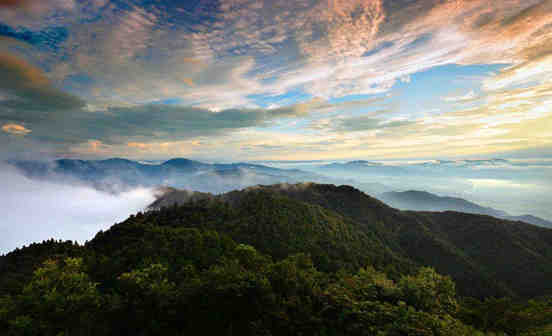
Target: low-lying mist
{"x":36,"y":210}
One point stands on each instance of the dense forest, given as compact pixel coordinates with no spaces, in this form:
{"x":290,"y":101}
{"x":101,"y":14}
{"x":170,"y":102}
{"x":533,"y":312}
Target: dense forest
{"x":285,"y":260}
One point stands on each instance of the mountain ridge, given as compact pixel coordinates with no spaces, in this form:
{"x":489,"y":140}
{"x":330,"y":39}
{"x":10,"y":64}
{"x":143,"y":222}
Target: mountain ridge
{"x":465,"y":246}
{"x":115,"y":174}
{"x":417,"y":200}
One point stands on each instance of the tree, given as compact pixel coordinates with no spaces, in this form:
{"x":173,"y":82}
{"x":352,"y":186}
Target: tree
{"x":59,"y":300}
{"x":429,"y":291}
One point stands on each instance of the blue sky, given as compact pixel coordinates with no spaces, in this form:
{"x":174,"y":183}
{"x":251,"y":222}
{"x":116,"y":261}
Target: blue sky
{"x":274,"y":80}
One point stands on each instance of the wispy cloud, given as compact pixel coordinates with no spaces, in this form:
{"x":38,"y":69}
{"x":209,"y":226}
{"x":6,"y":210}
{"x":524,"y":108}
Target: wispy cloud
{"x":471,"y":95}
{"x":102,"y":70}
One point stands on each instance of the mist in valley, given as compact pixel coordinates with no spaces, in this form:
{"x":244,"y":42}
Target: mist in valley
{"x":40,"y":201}
{"x":34,"y":210}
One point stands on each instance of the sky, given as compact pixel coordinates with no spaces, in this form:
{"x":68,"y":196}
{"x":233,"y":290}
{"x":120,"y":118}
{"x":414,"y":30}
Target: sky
{"x":276,"y":79}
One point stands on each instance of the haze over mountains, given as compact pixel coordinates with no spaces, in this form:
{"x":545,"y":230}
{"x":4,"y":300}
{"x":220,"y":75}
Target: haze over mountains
{"x":424,"y":201}
{"x":120,"y":174}
{"x":117,"y":188}
{"x":515,"y":188}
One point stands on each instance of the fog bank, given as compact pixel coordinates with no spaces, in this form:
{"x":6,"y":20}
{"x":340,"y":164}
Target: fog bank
{"x":36,"y":210}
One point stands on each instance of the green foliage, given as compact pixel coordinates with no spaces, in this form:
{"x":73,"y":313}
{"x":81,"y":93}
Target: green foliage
{"x":257,"y":264}
{"x":60,"y":299}
{"x":429,"y":291}
{"x":504,"y":314}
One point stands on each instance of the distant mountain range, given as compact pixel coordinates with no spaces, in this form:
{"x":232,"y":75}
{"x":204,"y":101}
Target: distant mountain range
{"x":425,"y":201}
{"x":114,"y":175}
{"x":361,"y":166}
{"x":481,"y":168}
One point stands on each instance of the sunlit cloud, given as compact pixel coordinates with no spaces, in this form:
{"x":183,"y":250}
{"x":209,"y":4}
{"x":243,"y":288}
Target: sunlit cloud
{"x":111,"y":78}
{"x":15,"y":129}
{"x":34,"y":14}
{"x":535,"y":71}
{"x":462,"y":98}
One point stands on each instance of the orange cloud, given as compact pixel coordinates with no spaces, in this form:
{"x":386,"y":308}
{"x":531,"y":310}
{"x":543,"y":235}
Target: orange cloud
{"x":22,"y":79}
{"x":23,"y":72}
{"x":139,"y":145}
{"x":94,"y":144}
{"x":13,"y":3}
{"x":15,"y":129}
{"x":352,"y":27}
{"x":192,"y":60}
{"x":188,"y":81}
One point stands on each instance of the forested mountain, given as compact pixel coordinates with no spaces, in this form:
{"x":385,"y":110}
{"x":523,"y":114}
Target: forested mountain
{"x":485,"y":255}
{"x":425,"y":201}
{"x":304,"y":259}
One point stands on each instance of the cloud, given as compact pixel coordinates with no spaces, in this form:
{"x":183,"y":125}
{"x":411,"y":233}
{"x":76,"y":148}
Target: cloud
{"x":20,"y":74}
{"x":469,"y":96}
{"x":15,"y":129}
{"x":140,"y":53}
{"x":365,"y":123}
{"x":535,"y":71}
{"x":12,"y":3}
{"x":35,"y":14}
{"x":36,"y":3}
{"x":28,"y":88}
{"x":120,"y":59}
{"x":97,"y":132}
{"x":59,"y":211}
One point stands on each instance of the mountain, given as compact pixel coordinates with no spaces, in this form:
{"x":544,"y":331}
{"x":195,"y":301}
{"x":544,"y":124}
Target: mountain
{"x":483,"y":254}
{"x":116,"y":174}
{"x":531,"y":220}
{"x":283,"y":259}
{"x":167,"y":196}
{"x":366,"y":167}
{"x":425,"y":201}
{"x":467,"y":163}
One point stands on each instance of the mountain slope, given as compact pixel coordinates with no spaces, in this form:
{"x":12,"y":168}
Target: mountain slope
{"x":282,"y":226}
{"x":485,"y":255}
{"x":146,"y":279}
{"x":425,"y":201}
